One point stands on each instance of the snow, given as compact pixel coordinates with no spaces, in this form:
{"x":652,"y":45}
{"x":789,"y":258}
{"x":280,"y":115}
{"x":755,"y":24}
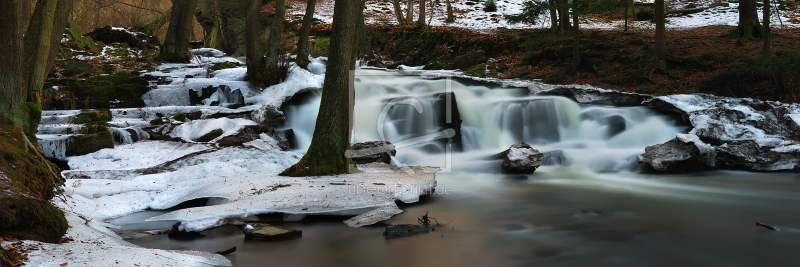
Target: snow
{"x":193,"y":130}
{"x":208,"y":52}
{"x":706,"y":150}
{"x":298,"y":80}
{"x":232,"y":74}
{"x":134,"y":156}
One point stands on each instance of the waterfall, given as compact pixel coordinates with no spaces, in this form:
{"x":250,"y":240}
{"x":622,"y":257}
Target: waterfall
{"x":54,"y":146}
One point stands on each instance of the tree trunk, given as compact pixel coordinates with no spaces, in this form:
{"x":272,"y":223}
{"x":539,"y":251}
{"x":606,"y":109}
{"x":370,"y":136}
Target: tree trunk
{"x":450,"y":17}
{"x":274,"y":50}
{"x":564,"y":27}
{"x":64,"y":11}
{"x":553,"y":15}
{"x":364,"y":46}
{"x":661,"y":40}
{"x":398,"y":12}
{"x":254,"y":50}
{"x":421,"y":21}
{"x":767,"y":38}
{"x":27,"y":9}
{"x":576,"y":41}
{"x":410,"y":10}
{"x":302,"y":41}
{"x":626,"y":14}
{"x":37,"y":46}
{"x":325,"y":156}
{"x":12,"y":89}
{"x":748,"y":21}
{"x":176,"y":43}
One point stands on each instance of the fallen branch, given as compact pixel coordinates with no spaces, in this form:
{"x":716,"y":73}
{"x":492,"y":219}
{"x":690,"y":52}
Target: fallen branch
{"x":766,"y":226}
{"x":227,"y":251}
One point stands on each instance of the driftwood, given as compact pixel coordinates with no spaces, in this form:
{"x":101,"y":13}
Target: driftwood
{"x":766,"y":226}
{"x":695,"y":10}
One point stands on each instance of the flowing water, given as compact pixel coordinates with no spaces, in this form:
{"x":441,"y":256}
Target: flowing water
{"x":589,"y":207}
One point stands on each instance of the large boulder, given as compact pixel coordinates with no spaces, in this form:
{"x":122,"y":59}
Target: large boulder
{"x":745,"y":133}
{"x":268,"y":116}
{"x":522,"y":158}
{"x":683,"y":154}
{"x":110,"y":35}
{"x":368,"y":152}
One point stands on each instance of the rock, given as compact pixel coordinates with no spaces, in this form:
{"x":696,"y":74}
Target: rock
{"x":597,"y":96}
{"x":75,"y":67}
{"x":403,"y":230}
{"x":268,"y":116}
{"x":228,"y":98}
{"x":376,"y":151}
{"x":117,"y":90}
{"x":110,"y":35}
{"x":745,"y":133}
{"x":683,"y":154}
{"x":251,"y":133}
{"x":89,"y":143}
{"x":76,"y":40}
{"x":266,"y":232}
{"x":522,"y":158}
{"x":291,"y":139}
{"x":449,"y":117}
{"x":555,"y":157}
{"x":209,"y":136}
{"x":197,"y":97}
{"x":158,"y":80}
{"x":177,"y":233}
{"x":615,"y":123}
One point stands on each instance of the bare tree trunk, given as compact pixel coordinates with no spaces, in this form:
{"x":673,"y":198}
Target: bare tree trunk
{"x":748,"y":21}
{"x":325,"y":156}
{"x":661,"y":40}
{"x":27,"y":9}
{"x":564,"y":27}
{"x":398,"y":12}
{"x":37,"y":46}
{"x":176,"y":43}
{"x":302,"y":41}
{"x":450,"y":17}
{"x":576,"y":41}
{"x":274,"y":50}
{"x":410,"y":10}
{"x":767,"y":38}
{"x":421,"y":21}
{"x":12,"y":89}
{"x":553,"y":15}
{"x":255,"y":51}
{"x":626,"y":14}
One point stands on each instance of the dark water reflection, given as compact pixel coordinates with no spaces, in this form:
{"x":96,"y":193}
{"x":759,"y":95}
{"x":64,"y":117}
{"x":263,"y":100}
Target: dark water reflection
{"x":558,"y":217}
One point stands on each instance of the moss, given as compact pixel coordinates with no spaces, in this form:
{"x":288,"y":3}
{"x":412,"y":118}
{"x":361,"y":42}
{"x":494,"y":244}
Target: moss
{"x":33,"y":114}
{"x":89,"y":143}
{"x":94,"y":127}
{"x":29,"y":218}
{"x":87,"y":117}
{"x":222,"y":66}
{"x":157,"y":121}
{"x":437,"y":65}
{"x":209,"y":136}
{"x":477,"y":71}
{"x":319,"y":47}
{"x":184,"y":116}
{"x":321,"y":159}
{"x":180,"y":117}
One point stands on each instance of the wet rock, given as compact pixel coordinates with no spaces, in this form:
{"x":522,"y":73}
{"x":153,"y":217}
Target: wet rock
{"x":268,"y":116}
{"x":197,"y":97}
{"x":615,"y":123}
{"x":89,"y":143}
{"x":555,"y":157}
{"x":449,"y":117}
{"x":376,"y":151}
{"x":521,"y":158}
{"x":683,"y":154}
{"x":158,"y":80}
{"x":403,"y":230}
{"x":228,"y":98}
{"x":597,"y":96}
{"x":266,"y":232}
{"x":251,"y":133}
{"x":110,"y":35}
{"x":291,"y":139}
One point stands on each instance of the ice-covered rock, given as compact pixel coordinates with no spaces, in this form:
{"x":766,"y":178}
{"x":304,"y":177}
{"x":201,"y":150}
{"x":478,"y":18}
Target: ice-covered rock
{"x":745,"y":133}
{"x":597,"y":96}
{"x":368,"y":152}
{"x":208,"y":52}
{"x":194,"y":130}
{"x":686,"y":153}
{"x":521,"y":158}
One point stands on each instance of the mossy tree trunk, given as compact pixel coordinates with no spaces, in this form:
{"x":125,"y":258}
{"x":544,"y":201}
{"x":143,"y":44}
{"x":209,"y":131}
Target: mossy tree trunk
{"x":326,"y":154}
{"x":302,"y":41}
{"x":661,"y":39}
{"x":421,"y":21}
{"x":274,"y":50}
{"x":749,"y":27}
{"x":398,"y":12}
{"x":12,"y":90}
{"x":253,"y":42}
{"x":37,"y":43}
{"x":767,"y":41}
{"x":176,"y":42}
{"x":564,"y":27}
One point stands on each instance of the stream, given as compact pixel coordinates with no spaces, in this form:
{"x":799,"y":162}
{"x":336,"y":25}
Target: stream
{"x":589,"y":206}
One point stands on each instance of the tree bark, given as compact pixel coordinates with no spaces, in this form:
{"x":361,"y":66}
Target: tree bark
{"x":767,"y":38}
{"x":176,"y":43}
{"x":661,"y":40}
{"x":12,"y":89}
{"x":410,"y":10}
{"x":564,"y":27}
{"x":398,"y":12}
{"x":274,"y":50}
{"x":450,"y":17}
{"x":302,"y":41}
{"x":553,"y":15}
{"x":254,"y":49}
{"x":326,"y":155}
{"x":748,"y":21}
{"x":37,"y":46}
{"x":421,"y":21}
{"x":576,"y":41}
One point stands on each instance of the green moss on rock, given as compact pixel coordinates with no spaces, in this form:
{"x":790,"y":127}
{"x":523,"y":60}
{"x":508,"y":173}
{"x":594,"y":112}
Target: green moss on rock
{"x":321,"y":159}
{"x":89,"y":143}
{"x":87,"y":117}
{"x":118,"y":90}
{"x":157,"y":121}
{"x":33,"y":219}
{"x":209,"y":136}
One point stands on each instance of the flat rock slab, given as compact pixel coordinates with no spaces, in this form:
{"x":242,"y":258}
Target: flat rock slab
{"x":403,"y":230}
{"x":266,"y":232}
